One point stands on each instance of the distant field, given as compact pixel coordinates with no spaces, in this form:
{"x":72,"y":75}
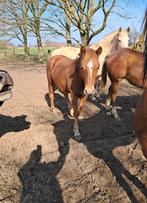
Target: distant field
{"x":18,"y":53}
{"x":20,"y":50}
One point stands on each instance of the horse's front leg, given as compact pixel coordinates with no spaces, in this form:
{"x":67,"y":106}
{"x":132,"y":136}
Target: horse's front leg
{"x":81,"y":105}
{"x":107,"y":104}
{"x":76,"y":120}
{"x":69,"y":103}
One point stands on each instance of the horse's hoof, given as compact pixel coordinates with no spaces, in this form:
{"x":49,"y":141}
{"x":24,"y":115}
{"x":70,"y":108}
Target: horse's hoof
{"x":77,"y":136}
{"x":108,"y":113}
{"x":81,"y":117}
{"x":117,"y":118}
{"x":107,"y":107}
{"x":52,"y":109}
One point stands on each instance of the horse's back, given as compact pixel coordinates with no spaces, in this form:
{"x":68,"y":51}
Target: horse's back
{"x":126,"y":58}
{"x":70,"y":52}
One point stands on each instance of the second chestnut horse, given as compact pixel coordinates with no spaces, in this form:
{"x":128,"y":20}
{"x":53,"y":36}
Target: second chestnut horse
{"x":76,"y":77}
{"x":123,"y":64}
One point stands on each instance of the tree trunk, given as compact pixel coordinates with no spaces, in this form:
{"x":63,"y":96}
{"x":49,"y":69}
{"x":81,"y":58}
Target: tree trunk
{"x":26,"y":50}
{"x":68,"y":39}
{"x":38,"y":37}
{"x":84,"y":39}
{"x":68,"y":33}
{"x":39,"y":45}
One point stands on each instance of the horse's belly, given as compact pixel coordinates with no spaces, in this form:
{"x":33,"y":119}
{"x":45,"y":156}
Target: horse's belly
{"x":60,"y":84}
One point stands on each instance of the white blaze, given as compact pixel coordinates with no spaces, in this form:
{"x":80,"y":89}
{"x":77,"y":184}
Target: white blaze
{"x":90,"y":66}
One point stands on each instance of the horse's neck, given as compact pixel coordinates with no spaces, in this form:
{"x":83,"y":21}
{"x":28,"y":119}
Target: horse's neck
{"x":108,"y":43}
{"x":78,"y":68}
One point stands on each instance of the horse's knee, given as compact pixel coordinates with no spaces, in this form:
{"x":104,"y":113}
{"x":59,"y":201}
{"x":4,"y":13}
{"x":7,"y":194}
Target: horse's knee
{"x":77,"y":135}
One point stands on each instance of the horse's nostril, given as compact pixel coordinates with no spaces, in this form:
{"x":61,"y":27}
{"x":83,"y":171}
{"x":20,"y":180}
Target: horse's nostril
{"x":89,"y":92}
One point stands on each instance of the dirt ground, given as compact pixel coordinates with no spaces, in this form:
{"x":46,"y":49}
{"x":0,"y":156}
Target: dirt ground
{"x":40,"y":162}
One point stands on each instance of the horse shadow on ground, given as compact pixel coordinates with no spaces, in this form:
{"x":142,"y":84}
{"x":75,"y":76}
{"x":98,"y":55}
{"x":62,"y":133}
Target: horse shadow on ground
{"x":13,"y":124}
{"x":101,"y":137}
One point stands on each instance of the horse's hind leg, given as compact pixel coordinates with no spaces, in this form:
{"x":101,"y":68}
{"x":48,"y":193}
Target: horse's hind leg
{"x":51,"y":88}
{"x":113,"y":95}
{"x":76,"y":120}
{"x":51,"y":95}
{"x":110,"y":101}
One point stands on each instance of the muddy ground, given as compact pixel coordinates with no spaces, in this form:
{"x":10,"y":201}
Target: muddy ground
{"x":40,"y":162}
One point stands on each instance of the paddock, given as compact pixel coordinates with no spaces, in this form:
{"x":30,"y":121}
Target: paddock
{"x":107,"y":166}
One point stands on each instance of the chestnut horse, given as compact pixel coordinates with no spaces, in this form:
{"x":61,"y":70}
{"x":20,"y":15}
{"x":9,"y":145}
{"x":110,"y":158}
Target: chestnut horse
{"x":140,"y":117}
{"x":123,"y":64}
{"x":76,"y":77}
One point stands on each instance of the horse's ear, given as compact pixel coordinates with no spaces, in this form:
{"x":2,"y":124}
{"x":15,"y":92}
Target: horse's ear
{"x":99,"y":51}
{"x":120,"y":29}
{"x":128,"y":29}
{"x":82,"y":50}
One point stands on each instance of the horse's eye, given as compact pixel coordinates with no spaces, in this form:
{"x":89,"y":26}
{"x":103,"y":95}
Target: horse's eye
{"x":97,"y":68}
{"x":119,"y":40}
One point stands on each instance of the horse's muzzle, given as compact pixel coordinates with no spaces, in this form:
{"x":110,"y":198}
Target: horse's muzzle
{"x":89,"y":92}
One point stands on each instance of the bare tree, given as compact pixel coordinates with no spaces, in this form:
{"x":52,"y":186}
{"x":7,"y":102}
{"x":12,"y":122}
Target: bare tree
{"x":58,"y":23}
{"x":81,"y":14}
{"x":37,"y":9}
{"x":14,"y":19}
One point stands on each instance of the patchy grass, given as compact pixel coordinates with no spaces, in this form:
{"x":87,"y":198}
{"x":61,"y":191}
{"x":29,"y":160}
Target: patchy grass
{"x":18,"y":53}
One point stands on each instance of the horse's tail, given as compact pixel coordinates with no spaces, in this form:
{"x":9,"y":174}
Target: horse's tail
{"x":104,"y":75}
